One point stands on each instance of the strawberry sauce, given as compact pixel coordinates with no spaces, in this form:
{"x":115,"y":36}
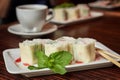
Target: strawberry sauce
{"x":78,"y":62}
{"x":18,"y":60}
{"x":26,"y":64}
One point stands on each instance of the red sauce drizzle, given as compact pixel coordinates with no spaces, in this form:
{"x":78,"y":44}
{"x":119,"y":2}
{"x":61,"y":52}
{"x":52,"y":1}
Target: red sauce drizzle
{"x":78,"y":62}
{"x":26,"y":64}
{"x":18,"y":60}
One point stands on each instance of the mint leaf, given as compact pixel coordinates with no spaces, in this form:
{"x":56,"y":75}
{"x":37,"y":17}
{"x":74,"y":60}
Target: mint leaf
{"x":41,"y":57}
{"x":58,"y":69}
{"x":33,"y":68}
{"x":62,"y":57}
{"x":49,"y":63}
{"x":65,"y":5}
{"x":56,"y":61}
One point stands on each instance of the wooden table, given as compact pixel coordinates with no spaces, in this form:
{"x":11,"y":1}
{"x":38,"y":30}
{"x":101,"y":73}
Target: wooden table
{"x":105,"y":29}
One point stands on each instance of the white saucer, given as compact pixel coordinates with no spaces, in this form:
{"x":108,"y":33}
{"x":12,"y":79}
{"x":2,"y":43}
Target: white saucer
{"x":17,"y":30}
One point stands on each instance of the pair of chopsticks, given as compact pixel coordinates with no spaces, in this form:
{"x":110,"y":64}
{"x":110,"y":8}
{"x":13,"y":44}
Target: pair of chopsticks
{"x":109,"y":56}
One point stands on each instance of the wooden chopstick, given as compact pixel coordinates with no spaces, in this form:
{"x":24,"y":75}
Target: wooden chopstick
{"x":110,"y":54}
{"x":105,"y":55}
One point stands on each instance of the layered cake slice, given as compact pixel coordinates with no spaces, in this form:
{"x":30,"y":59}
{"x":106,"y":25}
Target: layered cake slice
{"x":84,"y":50}
{"x":28,"y":48}
{"x":42,"y":42}
{"x":54,"y":46}
{"x":71,"y":13}
{"x":83,"y":10}
{"x":69,"y":40}
{"x":59,"y":14}
{"x":27,"y":52}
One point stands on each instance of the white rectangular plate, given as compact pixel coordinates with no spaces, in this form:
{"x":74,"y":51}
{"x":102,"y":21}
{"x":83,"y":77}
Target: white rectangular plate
{"x":93,"y":16}
{"x":10,"y":55}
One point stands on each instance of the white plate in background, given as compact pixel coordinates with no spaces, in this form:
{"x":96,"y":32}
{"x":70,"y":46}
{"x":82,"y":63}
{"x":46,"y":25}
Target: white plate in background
{"x":10,"y":55}
{"x":99,"y":4}
{"x":93,"y":16}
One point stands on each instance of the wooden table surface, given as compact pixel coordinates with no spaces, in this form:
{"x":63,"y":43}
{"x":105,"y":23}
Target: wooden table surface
{"x":105,"y":29}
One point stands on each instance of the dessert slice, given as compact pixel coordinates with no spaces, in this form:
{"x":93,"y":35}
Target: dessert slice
{"x":69,"y":40}
{"x":27,"y":52}
{"x":28,"y":48}
{"x":84,"y":50}
{"x":59,"y":14}
{"x":42,"y":42}
{"x":71,"y":13}
{"x":83,"y":10}
{"x":55,"y":46}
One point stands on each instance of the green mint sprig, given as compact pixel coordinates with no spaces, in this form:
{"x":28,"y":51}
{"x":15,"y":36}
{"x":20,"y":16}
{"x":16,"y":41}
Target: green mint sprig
{"x":56,"y":61}
{"x":65,"y":5}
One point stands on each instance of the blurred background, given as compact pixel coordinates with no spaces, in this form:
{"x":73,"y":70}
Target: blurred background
{"x":7,"y":7}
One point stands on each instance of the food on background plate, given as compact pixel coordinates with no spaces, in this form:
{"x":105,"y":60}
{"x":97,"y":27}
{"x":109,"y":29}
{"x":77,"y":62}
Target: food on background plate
{"x":60,"y":14}
{"x":56,"y":54}
{"x":104,"y":3}
{"x":71,"y":12}
{"x":83,"y":10}
{"x":65,"y":5}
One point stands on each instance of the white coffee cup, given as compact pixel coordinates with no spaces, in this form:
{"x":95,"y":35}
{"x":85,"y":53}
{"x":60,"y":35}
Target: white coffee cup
{"x":32,"y":17}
